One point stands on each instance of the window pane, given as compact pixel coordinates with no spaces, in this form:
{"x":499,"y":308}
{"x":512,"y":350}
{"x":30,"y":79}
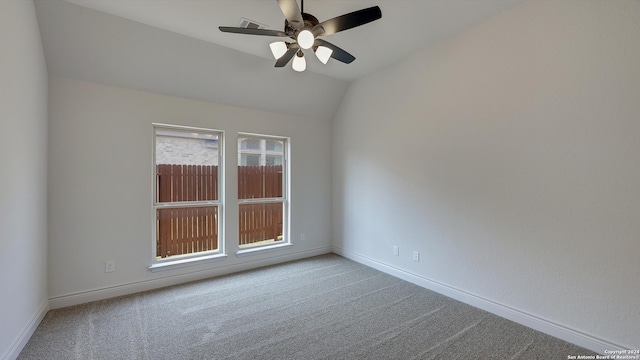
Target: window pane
{"x":186,"y":166}
{"x":188,"y":230}
{"x":252,"y":160}
{"x":260,"y":223}
{"x":251,"y":143}
{"x":274,"y":145}
{"x":260,"y":164}
{"x":273,"y":160}
{"x":254,"y":151}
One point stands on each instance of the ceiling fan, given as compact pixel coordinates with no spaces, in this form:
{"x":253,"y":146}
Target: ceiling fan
{"x":305,"y":30}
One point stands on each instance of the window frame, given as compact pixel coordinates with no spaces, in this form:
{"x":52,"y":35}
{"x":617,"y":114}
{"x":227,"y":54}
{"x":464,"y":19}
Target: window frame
{"x":285,"y":199}
{"x":203,"y":256}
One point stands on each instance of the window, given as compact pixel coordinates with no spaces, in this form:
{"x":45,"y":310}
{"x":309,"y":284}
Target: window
{"x":187,"y":202}
{"x":262,"y":191}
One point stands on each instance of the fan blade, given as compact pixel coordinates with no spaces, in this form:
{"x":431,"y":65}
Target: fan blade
{"x":347,"y":21}
{"x":292,"y":12}
{"x":263,"y":32}
{"x":284,"y":59}
{"x":338,"y":53}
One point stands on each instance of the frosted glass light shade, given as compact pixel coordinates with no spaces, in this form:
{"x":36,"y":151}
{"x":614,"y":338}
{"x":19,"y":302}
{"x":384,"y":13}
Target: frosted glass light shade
{"x":305,"y":39}
{"x":299,"y":63}
{"x":323,"y":53}
{"x":278,"y":49}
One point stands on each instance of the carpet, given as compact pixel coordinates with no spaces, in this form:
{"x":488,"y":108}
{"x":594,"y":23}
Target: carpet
{"x":325,"y":307}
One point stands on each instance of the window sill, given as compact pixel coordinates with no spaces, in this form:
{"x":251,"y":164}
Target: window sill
{"x":260,"y":249}
{"x":175,"y":264}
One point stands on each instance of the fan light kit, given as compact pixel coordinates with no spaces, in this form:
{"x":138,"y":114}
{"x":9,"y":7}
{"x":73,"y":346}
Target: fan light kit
{"x":305,"y":39}
{"x":278,"y":49}
{"x":323,"y":53}
{"x":299,"y":63}
{"x":304,"y":29}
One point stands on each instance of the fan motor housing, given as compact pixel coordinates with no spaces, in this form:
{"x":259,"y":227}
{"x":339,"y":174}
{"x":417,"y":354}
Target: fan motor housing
{"x":309,"y":22}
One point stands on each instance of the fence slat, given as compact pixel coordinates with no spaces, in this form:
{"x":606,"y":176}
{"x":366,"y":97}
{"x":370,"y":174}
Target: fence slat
{"x":188,"y":230}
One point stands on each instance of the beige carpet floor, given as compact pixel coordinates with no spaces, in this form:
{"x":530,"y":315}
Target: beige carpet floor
{"x":325,"y":307}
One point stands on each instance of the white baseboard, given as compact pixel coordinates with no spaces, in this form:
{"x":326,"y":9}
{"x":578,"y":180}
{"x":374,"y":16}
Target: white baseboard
{"x":521,"y":317}
{"x":135,"y":287}
{"x":26,"y":333}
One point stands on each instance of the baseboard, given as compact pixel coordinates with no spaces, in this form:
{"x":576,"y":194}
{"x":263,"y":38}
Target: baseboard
{"x":146,"y":285}
{"x":26,"y":333}
{"x":521,"y":317}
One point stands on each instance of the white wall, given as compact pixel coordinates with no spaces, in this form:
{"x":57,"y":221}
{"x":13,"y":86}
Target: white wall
{"x":100,"y":185}
{"x":509,"y":158}
{"x":89,"y":45}
{"x":23,"y":176}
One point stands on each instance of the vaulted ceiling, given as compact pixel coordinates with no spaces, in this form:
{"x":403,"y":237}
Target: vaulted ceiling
{"x":174,"y":47}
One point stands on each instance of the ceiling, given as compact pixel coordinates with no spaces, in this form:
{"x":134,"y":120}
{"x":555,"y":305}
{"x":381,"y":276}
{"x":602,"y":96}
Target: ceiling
{"x":174,"y":47}
{"x":406,"y":25}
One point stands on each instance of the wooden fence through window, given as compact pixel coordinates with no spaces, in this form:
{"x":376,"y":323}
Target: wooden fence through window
{"x":255,"y":182}
{"x":187,"y":230}
{"x":263,"y":221}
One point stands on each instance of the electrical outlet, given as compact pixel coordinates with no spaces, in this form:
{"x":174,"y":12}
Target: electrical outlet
{"x":416,"y":256}
{"x":396,"y":251}
{"x":302,"y":237}
{"x":109,"y":266}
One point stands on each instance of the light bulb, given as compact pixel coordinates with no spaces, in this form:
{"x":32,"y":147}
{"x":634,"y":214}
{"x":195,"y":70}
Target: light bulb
{"x":305,"y":39}
{"x":278,"y":49}
{"x":323,"y":53}
{"x":299,"y":63}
